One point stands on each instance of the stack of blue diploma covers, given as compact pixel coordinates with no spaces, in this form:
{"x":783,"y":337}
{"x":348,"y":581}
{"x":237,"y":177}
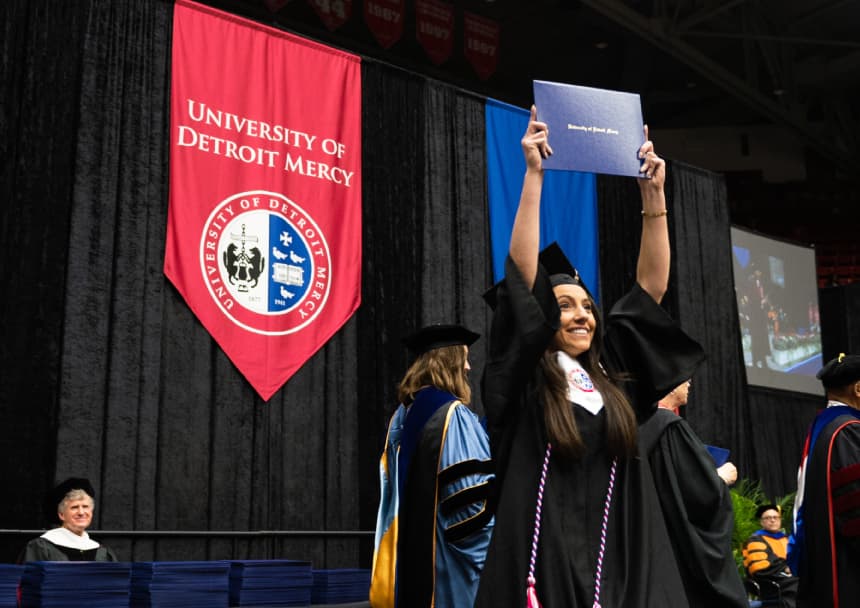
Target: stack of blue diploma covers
{"x":591,"y":130}
{"x":75,"y":584}
{"x":10,"y":575}
{"x":271,"y":583}
{"x":341,"y":586}
{"x":180,"y":584}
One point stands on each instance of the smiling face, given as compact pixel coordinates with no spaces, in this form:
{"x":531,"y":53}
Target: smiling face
{"x":76,"y":513}
{"x":576,"y":330}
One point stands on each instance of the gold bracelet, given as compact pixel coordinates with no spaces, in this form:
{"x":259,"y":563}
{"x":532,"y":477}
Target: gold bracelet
{"x":655,"y":213}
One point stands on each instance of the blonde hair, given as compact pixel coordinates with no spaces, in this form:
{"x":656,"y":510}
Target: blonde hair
{"x":443,"y":368}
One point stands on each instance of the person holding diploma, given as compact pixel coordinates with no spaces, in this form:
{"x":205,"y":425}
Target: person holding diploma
{"x":578,"y":521}
{"x":696,"y":503}
{"x":674,"y":401}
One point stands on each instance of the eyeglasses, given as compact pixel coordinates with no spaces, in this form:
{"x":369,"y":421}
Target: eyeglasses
{"x":772,"y":517}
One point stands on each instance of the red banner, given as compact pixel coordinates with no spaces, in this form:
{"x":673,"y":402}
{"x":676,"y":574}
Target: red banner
{"x":434,"y":29}
{"x":384,"y":18}
{"x":333,"y":13}
{"x":481,"y":43}
{"x":264,"y":222}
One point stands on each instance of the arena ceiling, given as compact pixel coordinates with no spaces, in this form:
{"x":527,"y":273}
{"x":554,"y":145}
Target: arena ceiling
{"x":696,"y":63}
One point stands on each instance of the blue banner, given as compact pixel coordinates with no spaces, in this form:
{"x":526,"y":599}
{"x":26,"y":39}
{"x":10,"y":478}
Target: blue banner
{"x":568,"y":201}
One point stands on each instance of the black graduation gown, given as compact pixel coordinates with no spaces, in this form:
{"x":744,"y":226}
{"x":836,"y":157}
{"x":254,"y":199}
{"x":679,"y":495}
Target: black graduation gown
{"x":816,"y":571}
{"x":697,"y":508}
{"x":43,"y":550}
{"x":639,"y":569}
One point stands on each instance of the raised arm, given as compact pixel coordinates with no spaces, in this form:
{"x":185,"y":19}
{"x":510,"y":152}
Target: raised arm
{"x":525,"y":236}
{"x":652,"y":269}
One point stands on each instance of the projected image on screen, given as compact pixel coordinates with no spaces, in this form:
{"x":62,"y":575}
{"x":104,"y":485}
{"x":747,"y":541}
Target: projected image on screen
{"x":776,"y":288}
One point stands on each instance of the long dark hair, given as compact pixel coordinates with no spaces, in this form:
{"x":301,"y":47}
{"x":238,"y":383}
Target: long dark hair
{"x":621,"y":426}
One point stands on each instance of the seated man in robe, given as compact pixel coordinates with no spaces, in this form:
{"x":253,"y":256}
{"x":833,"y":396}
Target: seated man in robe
{"x":765,"y":554}
{"x":74,"y":500}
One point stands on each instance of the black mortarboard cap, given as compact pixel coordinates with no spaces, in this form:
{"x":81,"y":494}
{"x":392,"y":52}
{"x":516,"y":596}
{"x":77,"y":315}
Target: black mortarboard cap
{"x":762,"y":508}
{"x":558,"y":267}
{"x":58,"y":493}
{"x":437,"y":336}
{"x":840,"y":371}
{"x":72,"y":483}
{"x":555,"y":262}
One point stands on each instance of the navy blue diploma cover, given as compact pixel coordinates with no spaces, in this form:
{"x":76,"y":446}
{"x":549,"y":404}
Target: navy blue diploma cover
{"x":591,"y":130}
{"x":720,"y":455}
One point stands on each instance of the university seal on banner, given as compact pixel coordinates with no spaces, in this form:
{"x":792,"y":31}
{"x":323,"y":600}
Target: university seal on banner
{"x":265,"y":262}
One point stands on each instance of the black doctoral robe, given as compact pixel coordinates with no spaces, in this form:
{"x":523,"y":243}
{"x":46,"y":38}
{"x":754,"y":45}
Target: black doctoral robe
{"x":639,"y":569}
{"x":697,"y":507}
{"x":832,"y":485}
{"x":43,"y":550}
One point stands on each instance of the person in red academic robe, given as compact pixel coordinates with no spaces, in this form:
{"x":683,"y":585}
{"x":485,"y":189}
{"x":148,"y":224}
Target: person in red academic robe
{"x":825,"y":549}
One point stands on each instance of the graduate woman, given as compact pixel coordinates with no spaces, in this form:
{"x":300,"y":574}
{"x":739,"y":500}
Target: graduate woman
{"x":578,"y":523}
{"x":435,"y":510}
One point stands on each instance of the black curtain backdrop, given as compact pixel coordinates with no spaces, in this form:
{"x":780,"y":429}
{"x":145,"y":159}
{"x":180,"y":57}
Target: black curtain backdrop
{"x":426,"y":243}
{"x":106,"y":373}
{"x":110,"y":375}
{"x":763,"y":429}
{"x":841,"y":327}
{"x":40,"y":76}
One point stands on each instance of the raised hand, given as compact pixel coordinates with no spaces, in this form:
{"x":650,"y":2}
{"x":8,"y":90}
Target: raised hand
{"x":653,"y":167}
{"x":535,"y":142}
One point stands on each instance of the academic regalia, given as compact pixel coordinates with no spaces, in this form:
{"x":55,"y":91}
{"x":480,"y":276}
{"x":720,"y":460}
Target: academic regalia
{"x":764,"y":556}
{"x":829,"y":508}
{"x":697,"y":507}
{"x":61,"y":544}
{"x":639,"y":569}
{"x":435,"y":515}
{"x":767,"y":552}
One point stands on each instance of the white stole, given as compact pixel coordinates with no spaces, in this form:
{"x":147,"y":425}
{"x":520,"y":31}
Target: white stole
{"x":580,"y":388}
